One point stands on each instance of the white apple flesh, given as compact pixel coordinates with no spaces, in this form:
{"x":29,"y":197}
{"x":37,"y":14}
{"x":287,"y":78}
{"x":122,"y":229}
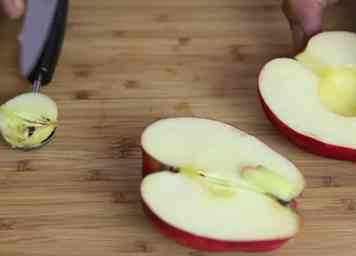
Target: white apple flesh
{"x":212,"y":187}
{"x":27,"y":120}
{"x":312,"y":98}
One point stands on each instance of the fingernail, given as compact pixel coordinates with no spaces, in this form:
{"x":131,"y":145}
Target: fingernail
{"x":18,"y":3}
{"x":18,"y":8}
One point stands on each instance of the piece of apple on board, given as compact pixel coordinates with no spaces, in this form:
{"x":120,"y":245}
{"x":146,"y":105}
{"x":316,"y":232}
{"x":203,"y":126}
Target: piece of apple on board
{"x":312,"y":98}
{"x":212,"y":187}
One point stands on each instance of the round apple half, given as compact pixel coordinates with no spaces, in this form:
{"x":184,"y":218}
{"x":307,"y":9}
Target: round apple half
{"x":212,"y":187}
{"x":312,"y":98}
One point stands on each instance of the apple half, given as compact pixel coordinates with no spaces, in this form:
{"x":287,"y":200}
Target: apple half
{"x":209,"y":186}
{"x":312,"y":98}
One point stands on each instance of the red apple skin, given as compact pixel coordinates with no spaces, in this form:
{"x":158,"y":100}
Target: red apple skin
{"x":306,"y":143}
{"x":209,"y":245}
{"x":150,"y":165}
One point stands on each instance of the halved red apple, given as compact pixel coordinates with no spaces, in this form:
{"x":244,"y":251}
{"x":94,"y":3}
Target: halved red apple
{"x":312,"y":98}
{"x":212,"y":187}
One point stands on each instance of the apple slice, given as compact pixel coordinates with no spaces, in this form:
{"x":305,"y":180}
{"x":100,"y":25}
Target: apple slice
{"x":212,"y":187}
{"x":28,"y":120}
{"x":312,"y":98}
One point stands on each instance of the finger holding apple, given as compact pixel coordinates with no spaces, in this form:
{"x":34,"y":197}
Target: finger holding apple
{"x":305,"y":19}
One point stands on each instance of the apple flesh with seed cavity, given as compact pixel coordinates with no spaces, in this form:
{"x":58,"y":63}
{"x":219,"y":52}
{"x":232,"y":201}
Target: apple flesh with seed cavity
{"x":209,"y":186}
{"x":28,"y":120}
{"x":311,"y":98}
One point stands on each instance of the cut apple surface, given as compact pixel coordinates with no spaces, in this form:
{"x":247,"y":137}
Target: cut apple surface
{"x":212,"y":187}
{"x":312,"y":98}
{"x":28,"y":120}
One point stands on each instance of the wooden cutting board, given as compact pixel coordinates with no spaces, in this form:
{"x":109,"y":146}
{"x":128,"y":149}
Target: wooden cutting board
{"x":125,"y":64}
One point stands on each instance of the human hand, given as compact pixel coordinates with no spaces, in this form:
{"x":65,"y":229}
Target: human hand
{"x":305,"y":18}
{"x":13,"y":8}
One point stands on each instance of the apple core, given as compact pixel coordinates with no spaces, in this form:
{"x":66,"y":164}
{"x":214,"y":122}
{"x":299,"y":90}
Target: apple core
{"x":337,"y":85}
{"x":27,"y":120}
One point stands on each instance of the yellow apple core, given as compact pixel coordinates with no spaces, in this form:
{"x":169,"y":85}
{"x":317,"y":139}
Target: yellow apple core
{"x":337,"y":85}
{"x":258,"y":179}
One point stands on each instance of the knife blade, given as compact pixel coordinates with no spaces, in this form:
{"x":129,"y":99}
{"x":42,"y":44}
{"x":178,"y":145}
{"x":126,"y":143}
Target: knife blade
{"x":41,"y":38}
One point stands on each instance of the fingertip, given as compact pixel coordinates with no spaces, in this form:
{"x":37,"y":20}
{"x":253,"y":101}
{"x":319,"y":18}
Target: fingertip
{"x":299,"y":38}
{"x":14,"y":8}
{"x":20,"y":7}
{"x":305,"y":20}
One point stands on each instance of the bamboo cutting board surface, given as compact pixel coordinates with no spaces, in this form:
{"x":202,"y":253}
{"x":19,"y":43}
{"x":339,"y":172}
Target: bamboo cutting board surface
{"x":125,"y":64}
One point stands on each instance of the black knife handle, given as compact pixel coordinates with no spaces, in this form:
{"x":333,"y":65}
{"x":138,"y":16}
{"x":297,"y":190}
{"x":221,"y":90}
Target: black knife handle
{"x":46,"y":65}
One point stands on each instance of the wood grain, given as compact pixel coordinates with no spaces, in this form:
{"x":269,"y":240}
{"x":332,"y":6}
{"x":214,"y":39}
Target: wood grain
{"x":125,"y":64}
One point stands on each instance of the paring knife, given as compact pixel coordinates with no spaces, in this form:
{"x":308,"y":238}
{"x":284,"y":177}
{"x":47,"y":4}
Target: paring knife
{"x":41,"y":40}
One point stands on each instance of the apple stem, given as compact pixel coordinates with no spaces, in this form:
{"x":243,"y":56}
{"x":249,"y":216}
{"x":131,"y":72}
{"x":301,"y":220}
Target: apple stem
{"x":270,"y":182}
{"x":257,"y":179}
{"x":193,"y":173}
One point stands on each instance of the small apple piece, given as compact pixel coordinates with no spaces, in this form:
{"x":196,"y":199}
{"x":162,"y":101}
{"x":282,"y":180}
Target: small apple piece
{"x":312,"y":98}
{"x":28,"y":119}
{"x":211,"y":187}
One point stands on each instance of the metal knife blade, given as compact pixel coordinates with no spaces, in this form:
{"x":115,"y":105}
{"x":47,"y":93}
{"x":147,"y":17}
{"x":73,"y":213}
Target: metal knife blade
{"x":36,"y":26}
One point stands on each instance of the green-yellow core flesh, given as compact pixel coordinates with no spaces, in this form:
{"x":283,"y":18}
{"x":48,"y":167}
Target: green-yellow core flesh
{"x":216,"y":187}
{"x":337,"y":85}
{"x":269,"y":182}
{"x":23,"y":132}
{"x":257,"y":179}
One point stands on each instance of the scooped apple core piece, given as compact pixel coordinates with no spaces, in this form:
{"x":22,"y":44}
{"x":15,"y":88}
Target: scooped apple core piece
{"x":197,"y":187}
{"x":28,"y":120}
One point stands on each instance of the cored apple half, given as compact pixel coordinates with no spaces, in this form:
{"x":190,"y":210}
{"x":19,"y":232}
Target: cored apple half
{"x":312,"y":98}
{"x":212,"y":187}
